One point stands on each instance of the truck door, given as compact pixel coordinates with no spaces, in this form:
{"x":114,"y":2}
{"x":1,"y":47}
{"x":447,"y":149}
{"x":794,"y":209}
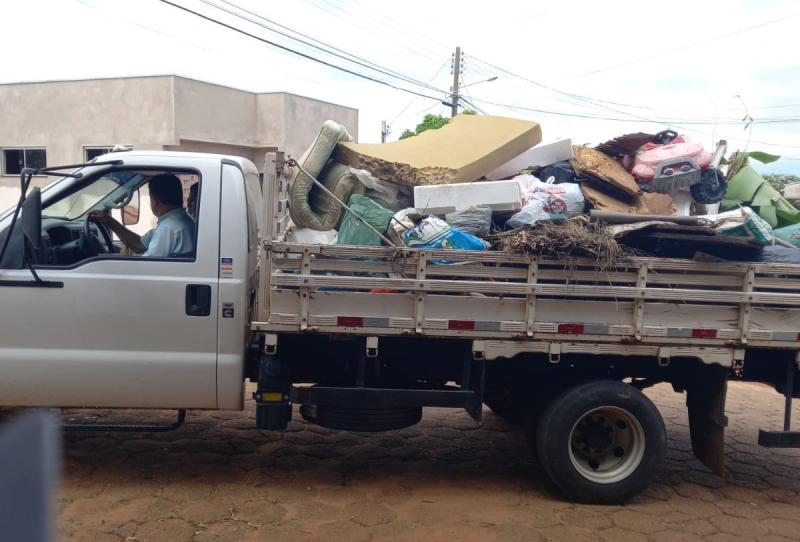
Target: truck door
{"x":118,"y":331}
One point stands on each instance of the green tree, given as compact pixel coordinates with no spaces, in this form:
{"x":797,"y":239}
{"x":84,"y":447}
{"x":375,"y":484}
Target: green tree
{"x":778,"y":180}
{"x":432,"y":122}
{"x":429,"y":122}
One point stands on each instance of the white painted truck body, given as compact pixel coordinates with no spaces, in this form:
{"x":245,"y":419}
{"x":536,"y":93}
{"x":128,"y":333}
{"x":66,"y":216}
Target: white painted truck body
{"x":379,"y":327}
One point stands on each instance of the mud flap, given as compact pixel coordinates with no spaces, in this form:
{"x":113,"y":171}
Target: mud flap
{"x":705,"y":399}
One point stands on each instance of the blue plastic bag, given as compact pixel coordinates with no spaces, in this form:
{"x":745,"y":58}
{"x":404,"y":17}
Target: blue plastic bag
{"x":436,"y":234}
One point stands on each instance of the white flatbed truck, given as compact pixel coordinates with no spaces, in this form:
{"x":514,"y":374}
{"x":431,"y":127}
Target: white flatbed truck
{"x":362,"y":338}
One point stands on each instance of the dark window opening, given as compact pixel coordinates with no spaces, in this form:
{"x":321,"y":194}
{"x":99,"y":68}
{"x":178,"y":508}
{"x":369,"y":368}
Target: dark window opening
{"x":15,"y":160}
{"x":90,"y":153}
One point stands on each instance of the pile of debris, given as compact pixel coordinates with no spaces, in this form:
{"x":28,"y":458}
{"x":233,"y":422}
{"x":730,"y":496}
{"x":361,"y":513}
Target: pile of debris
{"x":569,"y":239}
{"x":487,"y":183}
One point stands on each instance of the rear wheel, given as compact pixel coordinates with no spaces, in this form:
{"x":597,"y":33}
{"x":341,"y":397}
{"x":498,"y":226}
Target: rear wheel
{"x":601,"y":442}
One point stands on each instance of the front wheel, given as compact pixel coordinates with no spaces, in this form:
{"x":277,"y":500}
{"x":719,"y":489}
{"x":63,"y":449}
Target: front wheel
{"x":601,"y":442}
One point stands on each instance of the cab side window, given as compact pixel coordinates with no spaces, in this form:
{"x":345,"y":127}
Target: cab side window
{"x":143,"y":214}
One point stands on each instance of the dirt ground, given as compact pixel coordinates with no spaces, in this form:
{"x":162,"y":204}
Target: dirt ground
{"x":218,"y":479}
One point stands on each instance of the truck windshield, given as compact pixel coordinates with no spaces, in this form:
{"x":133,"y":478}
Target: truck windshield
{"x":108,"y":191}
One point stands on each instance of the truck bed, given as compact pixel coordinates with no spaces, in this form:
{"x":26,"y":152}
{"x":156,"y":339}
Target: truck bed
{"x":515,"y":303}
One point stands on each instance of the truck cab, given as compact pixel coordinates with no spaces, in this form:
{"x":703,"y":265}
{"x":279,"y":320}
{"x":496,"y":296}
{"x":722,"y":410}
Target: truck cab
{"x":102,"y":328}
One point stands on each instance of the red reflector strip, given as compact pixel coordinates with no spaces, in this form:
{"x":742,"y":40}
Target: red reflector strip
{"x":467,"y":325}
{"x":570,"y":329}
{"x":350,"y":321}
{"x":704,"y":333}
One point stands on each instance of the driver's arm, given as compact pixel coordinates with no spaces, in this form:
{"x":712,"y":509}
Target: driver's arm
{"x":129,"y":238}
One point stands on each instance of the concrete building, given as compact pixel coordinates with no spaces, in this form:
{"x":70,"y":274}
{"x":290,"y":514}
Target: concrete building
{"x":65,"y":122}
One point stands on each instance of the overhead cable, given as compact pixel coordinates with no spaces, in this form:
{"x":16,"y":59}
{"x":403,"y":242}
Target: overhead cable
{"x":295,"y":52}
{"x":323,"y":46}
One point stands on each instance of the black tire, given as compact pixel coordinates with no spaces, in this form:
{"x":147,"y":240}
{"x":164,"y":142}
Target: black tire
{"x":521,"y":404}
{"x":601,"y":442}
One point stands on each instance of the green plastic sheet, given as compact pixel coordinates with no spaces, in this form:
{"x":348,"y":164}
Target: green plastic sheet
{"x":354,"y":232}
{"x":790,"y":234}
{"x":749,"y":188}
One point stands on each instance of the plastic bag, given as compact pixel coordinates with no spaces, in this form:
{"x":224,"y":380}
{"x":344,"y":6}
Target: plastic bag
{"x":743,"y":222}
{"x":526,"y":184}
{"x":531,"y":213}
{"x":562,"y":172}
{"x":435,"y":233}
{"x":544,"y":201}
{"x":476,"y":221}
{"x":778,"y":254}
{"x":354,"y":232}
{"x":389,"y":194}
{"x":789,"y":233}
{"x":307,"y":236}
{"x":402,"y":221}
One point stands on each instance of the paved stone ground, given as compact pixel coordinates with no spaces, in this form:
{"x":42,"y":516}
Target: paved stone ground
{"x":447,"y":479}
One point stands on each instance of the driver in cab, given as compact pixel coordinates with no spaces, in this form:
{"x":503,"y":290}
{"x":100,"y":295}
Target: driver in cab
{"x":173,"y":237}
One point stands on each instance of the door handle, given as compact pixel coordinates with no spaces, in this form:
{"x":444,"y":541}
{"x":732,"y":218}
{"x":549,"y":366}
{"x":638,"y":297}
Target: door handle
{"x":198,"y":299}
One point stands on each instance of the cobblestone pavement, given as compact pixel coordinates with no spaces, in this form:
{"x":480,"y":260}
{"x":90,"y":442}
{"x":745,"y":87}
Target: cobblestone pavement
{"x":447,"y":479}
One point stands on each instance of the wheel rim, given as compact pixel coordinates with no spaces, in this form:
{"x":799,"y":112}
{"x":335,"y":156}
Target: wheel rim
{"x":606,"y":444}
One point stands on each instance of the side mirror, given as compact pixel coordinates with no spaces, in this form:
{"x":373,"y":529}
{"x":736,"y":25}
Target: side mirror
{"x":32,"y":219}
{"x":130,"y":213}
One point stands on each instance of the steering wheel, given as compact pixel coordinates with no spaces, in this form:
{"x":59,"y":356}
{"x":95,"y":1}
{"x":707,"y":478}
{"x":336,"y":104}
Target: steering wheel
{"x":89,"y":244}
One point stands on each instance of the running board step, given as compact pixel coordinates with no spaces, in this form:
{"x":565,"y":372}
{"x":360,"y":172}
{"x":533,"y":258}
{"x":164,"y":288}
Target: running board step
{"x":128,"y":427}
{"x":779,"y":439}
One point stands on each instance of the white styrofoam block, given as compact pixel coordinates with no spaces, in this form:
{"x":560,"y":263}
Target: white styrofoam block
{"x":438,"y":199}
{"x":543,"y":154}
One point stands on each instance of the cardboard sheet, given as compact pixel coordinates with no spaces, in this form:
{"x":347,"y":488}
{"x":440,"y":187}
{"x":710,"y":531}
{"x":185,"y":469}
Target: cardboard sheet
{"x":604,"y":169}
{"x":644,"y":204}
{"x":464,"y":150}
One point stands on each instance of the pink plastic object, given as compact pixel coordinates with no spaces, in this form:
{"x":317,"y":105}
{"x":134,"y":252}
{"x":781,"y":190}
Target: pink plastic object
{"x":650,"y":155}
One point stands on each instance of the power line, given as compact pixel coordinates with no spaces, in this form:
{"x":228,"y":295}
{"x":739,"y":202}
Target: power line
{"x":414,"y":99}
{"x":326,"y":48}
{"x":577,"y":97}
{"x":594,"y":117}
{"x":385,"y":83}
{"x":298,"y":53}
{"x":348,"y":18}
{"x":434,"y":46}
{"x":685,"y":47}
{"x":402,"y":30}
{"x":143,"y":26}
{"x":597,"y":103}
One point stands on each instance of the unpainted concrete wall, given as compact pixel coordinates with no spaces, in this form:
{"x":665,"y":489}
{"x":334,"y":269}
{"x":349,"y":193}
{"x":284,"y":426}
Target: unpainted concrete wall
{"x":213,"y":113}
{"x":65,"y":116}
{"x":159,"y":112}
{"x":304,"y":116}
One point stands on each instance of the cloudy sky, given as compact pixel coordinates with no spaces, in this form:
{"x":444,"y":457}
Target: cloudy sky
{"x":583,"y":69}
